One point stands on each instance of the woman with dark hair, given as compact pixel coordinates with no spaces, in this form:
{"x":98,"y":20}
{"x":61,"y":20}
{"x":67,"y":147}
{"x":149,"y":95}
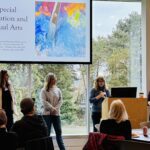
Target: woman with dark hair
{"x":97,"y":95}
{"x":7,"y":98}
{"x":51,"y":97}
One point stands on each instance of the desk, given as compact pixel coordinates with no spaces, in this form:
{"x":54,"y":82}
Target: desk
{"x":141,"y":137}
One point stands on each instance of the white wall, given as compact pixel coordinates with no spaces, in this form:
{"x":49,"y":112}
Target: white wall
{"x":146,"y":45}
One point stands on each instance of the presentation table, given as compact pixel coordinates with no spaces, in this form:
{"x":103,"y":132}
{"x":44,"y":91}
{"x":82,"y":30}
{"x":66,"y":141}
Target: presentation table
{"x":140,"y":137}
{"x":136,"y":109}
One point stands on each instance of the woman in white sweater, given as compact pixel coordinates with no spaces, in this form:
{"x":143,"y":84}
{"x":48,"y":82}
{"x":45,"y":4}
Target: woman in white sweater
{"x":51,"y":97}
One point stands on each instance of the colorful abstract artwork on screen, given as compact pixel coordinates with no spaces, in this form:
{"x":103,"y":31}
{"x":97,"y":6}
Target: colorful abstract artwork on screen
{"x":60,"y":29}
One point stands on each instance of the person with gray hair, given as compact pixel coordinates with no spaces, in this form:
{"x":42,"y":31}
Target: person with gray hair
{"x":3,"y":119}
{"x":6,"y":137}
{"x":30,"y":126}
{"x":51,"y":97}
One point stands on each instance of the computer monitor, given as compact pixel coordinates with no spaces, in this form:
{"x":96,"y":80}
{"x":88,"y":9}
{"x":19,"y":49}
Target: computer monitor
{"x":120,"y":92}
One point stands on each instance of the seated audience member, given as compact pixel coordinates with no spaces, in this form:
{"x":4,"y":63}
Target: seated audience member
{"x":8,"y":140}
{"x":30,"y":126}
{"x":117,"y":123}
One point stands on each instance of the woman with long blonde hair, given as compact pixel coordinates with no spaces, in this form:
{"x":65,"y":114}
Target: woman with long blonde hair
{"x":97,"y":95}
{"x":51,"y":97}
{"x":117,"y":122}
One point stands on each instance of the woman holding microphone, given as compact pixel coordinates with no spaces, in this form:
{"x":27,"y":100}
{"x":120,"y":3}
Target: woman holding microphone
{"x":97,"y":95}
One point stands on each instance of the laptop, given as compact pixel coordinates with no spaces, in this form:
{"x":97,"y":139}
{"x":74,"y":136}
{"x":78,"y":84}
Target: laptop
{"x":124,"y":92}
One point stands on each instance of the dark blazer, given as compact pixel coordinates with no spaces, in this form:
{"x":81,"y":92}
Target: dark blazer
{"x":8,"y":140}
{"x":111,"y":127}
{"x":29,"y":128}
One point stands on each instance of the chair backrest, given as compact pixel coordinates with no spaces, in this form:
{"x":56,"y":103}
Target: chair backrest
{"x":8,"y":141}
{"x":45,"y":143}
{"x":133,"y":145}
{"x":101,"y":141}
{"x":111,"y":142}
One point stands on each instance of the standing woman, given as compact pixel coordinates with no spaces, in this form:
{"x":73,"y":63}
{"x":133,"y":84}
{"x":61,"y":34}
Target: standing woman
{"x":7,"y":98}
{"x":97,"y":95}
{"x":51,"y":97}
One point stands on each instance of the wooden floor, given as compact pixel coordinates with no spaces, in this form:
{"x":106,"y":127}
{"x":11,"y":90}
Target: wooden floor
{"x":72,"y":142}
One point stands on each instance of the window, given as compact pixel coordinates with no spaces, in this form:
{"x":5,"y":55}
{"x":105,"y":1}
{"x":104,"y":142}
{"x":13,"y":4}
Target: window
{"x":117,"y":50}
{"x":28,"y":80}
{"x":71,"y":80}
{"x":116,"y":54}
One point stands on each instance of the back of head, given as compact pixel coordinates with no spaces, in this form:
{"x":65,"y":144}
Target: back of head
{"x":27,"y":106}
{"x":118,"y":111}
{"x":3,"y":117}
{"x":10,"y":137}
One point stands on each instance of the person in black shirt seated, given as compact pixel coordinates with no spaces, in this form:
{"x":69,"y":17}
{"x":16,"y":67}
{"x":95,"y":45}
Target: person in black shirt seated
{"x":118,"y":123}
{"x":30,"y":126}
{"x":8,"y":140}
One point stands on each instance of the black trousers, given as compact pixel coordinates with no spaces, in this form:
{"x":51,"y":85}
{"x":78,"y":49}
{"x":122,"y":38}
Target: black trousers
{"x":96,"y":116}
{"x":9,"y":120}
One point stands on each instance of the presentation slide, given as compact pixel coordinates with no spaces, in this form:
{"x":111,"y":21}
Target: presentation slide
{"x":45,"y":31}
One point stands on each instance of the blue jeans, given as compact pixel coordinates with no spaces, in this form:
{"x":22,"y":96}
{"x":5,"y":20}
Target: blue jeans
{"x":55,"y":120}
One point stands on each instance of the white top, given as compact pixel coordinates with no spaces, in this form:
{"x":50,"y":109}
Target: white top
{"x":52,"y":101}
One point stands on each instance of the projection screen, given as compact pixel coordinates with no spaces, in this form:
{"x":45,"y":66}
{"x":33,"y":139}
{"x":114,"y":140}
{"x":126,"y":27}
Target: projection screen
{"x":49,"y":31}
